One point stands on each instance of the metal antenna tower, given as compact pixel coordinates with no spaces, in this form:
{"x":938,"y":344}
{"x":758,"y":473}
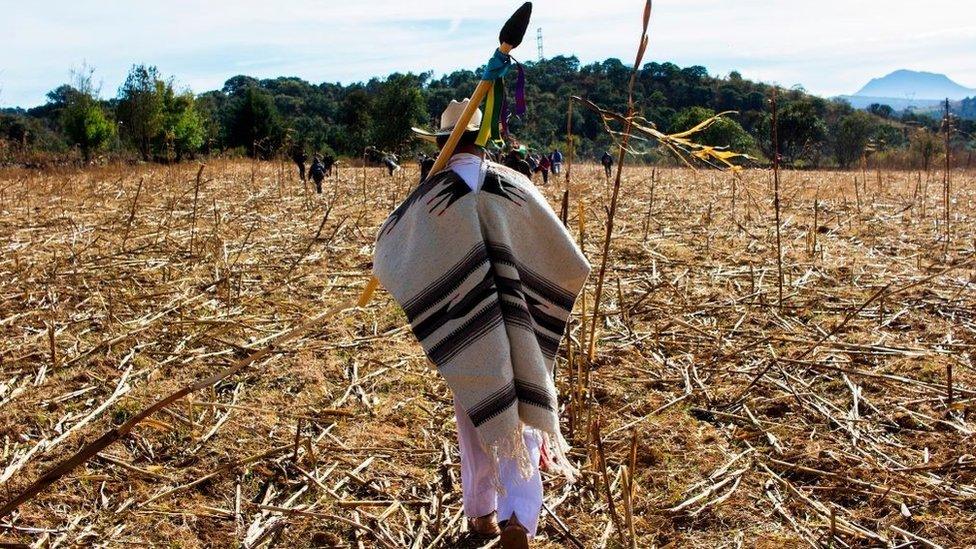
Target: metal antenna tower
{"x":538,"y":35}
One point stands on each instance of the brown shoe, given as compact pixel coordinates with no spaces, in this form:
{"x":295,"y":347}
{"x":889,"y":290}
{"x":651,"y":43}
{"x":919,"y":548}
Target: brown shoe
{"x":486,"y":526}
{"x":514,"y":535}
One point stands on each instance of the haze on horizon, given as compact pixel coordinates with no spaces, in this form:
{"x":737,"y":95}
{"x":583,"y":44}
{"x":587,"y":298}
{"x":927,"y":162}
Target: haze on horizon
{"x":830,"y":47}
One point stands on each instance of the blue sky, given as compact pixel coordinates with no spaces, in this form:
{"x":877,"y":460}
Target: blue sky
{"x":829,"y":46}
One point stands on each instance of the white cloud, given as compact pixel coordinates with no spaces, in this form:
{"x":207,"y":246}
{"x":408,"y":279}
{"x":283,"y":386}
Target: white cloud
{"x":829,"y":46}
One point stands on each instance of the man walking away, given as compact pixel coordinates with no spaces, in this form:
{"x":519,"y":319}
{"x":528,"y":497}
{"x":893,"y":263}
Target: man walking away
{"x":557,"y":161}
{"x":328,"y":162}
{"x":516,"y":161}
{"x":454,"y":255}
{"x":390,"y":161}
{"x":318,"y":173}
{"x":299,"y":157}
{"x":543,"y":167}
{"x":607,"y":161}
{"x":426,"y":164}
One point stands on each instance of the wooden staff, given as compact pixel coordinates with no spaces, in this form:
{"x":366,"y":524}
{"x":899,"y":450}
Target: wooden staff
{"x":509,"y":38}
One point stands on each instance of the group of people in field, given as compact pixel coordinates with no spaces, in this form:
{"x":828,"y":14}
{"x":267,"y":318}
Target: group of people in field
{"x":321,"y":167}
{"x":528,"y":163}
{"x":518,"y":157}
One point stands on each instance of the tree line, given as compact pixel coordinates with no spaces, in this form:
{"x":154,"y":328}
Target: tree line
{"x":150,"y":118}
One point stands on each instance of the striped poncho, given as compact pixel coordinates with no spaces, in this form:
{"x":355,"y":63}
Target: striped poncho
{"x":487,"y":280}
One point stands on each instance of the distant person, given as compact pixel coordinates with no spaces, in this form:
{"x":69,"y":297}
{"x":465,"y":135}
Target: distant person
{"x":329,"y":162}
{"x":390,"y":161}
{"x":516,"y":161}
{"x":607,"y":161}
{"x":318,"y":172}
{"x":299,"y":157}
{"x":557,"y":161}
{"x":426,"y":164}
{"x":533,"y":161}
{"x":543,"y":167}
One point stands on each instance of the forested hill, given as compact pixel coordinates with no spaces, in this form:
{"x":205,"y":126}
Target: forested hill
{"x":151,"y":118}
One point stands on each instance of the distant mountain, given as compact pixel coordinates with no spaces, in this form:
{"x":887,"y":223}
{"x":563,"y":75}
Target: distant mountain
{"x":903,"y":89}
{"x":916,"y":85}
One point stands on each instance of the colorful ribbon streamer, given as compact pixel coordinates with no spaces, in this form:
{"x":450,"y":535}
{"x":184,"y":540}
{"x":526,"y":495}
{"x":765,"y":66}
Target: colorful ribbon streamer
{"x":495,"y":121}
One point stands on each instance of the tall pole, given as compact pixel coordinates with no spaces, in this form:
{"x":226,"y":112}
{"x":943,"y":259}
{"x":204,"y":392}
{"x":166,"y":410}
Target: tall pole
{"x":776,"y":205}
{"x":570,"y":149}
{"x":945,"y":178}
{"x":509,"y":38}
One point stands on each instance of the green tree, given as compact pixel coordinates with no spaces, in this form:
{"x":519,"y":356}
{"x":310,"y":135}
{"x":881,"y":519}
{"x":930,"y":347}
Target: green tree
{"x":183,"y":129}
{"x":851,"y":136}
{"x":800,"y":130}
{"x":210,"y":106}
{"x":83,"y":119}
{"x":880,"y":110}
{"x":253,"y":123}
{"x":357,"y":121}
{"x":140,"y":109}
{"x":156,"y":119}
{"x":924,"y":146}
{"x":400,"y":105}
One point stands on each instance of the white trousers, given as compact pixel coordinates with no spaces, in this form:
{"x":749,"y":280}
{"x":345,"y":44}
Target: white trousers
{"x":523,"y":496}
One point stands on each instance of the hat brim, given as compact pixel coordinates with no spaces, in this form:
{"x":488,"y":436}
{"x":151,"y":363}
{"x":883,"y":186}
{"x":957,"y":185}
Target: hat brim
{"x":432,"y":136}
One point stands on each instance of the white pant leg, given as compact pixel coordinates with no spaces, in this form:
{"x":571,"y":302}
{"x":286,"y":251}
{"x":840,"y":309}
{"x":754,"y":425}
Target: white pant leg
{"x":477,"y":489}
{"x":522,"y":496}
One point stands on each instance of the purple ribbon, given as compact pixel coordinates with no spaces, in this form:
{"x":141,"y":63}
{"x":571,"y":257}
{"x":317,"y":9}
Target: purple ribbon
{"x":519,"y":100}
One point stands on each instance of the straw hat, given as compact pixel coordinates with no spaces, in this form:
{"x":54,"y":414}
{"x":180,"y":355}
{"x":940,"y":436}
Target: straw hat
{"x":449,"y":119}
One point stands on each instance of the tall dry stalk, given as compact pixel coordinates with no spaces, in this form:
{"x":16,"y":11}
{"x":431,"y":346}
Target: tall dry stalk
{"x":364,"y":175}
{"x":196,"y":197}
{"x":612,"y":211}
{"x":650,"y":206}
{"x":605,"y":476}
{"x":570,"y":149}
{"x":582,"y":372}
{"x":947,"y":127}
{"x":776,"y":203}
{"x":132,"y":214}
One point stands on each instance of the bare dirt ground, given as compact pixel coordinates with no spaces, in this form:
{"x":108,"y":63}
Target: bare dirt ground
{"x":827,"y":419}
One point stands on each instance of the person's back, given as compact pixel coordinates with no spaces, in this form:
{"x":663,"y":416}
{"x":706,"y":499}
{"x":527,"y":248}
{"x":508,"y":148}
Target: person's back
{"x":318,"y":169}
{"x":544,"y":166}
{"x":426,"y":164}
{"x":299,"y":157}
{"x":318,"y":174}
{"x":515,"y":161}
{"x":607,"y":161}
{"x":556,"y":158}
{"x":390,"y":161}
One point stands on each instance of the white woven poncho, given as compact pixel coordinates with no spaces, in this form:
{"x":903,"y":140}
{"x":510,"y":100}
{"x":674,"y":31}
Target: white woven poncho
{"x":487,"y":280}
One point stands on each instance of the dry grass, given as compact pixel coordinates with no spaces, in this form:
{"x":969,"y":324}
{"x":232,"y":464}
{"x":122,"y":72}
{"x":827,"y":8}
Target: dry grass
{"x":824,"y":422}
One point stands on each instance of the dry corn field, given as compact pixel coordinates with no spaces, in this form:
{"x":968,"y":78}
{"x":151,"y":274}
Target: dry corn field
{"x":710,"y":414}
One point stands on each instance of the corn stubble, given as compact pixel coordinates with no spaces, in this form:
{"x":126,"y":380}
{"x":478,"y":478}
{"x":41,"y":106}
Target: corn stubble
{"x":182,"y":361}
{"x":844,"y":417}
